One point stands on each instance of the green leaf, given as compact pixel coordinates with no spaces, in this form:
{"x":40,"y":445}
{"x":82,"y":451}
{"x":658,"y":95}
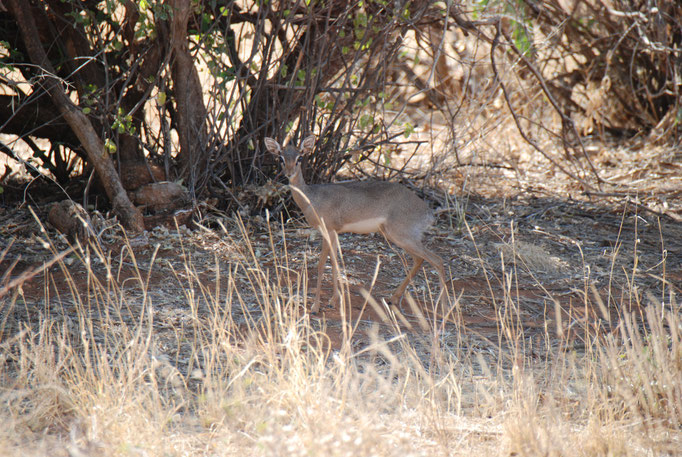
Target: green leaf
{"x":320,"y":102}
{"x":365,"y":120}
{"x":109,"y":146}
{"x":409,"y":130}
{"x":522,"y":38}
{"x":405,"y":15}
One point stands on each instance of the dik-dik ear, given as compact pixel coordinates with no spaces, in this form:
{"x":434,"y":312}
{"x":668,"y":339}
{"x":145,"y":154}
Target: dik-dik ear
{"x":272,"y":146}
{"x":308,"y":144}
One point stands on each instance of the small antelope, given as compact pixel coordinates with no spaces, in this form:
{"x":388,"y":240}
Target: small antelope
{"x":358,"y":207}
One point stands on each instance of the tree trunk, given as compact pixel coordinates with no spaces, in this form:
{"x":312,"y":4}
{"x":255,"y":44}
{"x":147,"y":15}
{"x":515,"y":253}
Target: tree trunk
{"x":191,"y":121}
{"x":131,"y":218}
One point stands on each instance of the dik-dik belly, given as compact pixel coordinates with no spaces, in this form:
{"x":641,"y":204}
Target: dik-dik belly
{"x":363,"y":226}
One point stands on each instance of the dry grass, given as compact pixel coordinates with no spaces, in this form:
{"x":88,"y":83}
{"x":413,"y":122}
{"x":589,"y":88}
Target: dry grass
{"x":119,"y":352}
{"x":101,"y":369}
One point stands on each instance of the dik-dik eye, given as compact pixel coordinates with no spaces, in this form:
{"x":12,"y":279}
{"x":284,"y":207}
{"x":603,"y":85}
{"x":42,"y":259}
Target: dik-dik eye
{"x":299,"y":160}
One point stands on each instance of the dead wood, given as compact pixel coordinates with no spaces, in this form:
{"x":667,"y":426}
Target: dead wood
{"x":79,"y":122}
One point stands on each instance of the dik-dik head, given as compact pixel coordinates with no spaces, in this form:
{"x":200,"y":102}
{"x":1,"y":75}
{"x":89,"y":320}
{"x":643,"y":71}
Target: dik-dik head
{"x":290,"y":155}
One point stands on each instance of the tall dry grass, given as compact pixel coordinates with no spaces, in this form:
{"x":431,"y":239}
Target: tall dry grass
{"x":241,"y":368}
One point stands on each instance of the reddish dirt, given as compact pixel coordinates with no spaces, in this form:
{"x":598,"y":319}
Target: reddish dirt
{"x":558,"y":257}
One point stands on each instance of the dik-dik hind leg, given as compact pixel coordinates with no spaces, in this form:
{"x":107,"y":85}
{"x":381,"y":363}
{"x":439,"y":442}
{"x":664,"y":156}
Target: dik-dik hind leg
{"x":418,"y":261}
{"x":437,"y":263}
{"x":419,"y":253}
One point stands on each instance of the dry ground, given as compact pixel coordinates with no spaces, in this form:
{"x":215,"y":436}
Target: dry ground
{"x":545,"y":286}
{"x":554,"y":249}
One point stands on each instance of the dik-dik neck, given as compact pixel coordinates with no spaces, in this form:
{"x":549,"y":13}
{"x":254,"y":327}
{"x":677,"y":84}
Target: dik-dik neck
{"x":299,"y":189}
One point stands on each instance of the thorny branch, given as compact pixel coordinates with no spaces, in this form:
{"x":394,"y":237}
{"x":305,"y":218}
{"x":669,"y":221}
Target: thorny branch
{"x":566,"y":120}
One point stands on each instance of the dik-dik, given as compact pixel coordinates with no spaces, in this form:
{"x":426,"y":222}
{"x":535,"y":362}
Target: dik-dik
{"x":358,"y":207}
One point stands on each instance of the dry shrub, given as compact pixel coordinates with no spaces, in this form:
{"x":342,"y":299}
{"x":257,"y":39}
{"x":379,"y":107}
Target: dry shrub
{"x":609,"y":66}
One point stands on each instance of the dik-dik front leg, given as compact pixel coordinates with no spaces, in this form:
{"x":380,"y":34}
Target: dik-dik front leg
{"x":330,"y":246}
{"x":322,"y":261}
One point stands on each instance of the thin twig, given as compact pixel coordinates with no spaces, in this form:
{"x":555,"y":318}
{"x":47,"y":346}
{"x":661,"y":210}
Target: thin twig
{"x":520,"y":129}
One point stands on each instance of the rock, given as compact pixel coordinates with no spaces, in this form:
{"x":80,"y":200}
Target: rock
{"x":137,"y":174}
{"x":71,"y":219}
{"x":170,"y":220}
{"x":161,"y":196}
